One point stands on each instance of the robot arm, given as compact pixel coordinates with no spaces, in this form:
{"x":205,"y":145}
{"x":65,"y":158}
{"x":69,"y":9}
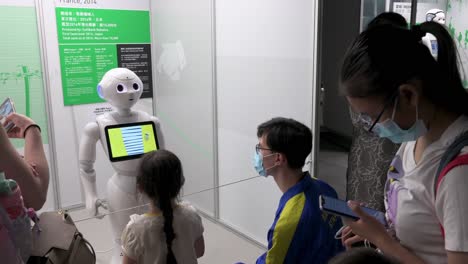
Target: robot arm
{"x":161,"y":141}
{"x":87,"y":157}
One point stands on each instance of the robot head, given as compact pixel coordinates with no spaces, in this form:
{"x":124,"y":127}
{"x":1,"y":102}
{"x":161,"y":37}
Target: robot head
{"x":120,"y":87}
{"x":436,"y":15}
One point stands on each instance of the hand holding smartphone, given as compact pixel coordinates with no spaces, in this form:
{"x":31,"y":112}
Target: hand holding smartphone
{"x":7,"y":108}
{"x":341,"y":208}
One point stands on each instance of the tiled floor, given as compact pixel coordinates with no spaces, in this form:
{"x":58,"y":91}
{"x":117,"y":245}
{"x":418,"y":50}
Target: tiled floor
{"x":221,"y":245}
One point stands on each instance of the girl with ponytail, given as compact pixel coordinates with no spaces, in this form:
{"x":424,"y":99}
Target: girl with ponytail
{"x":171,"y":232}
{"x":401,"y":92}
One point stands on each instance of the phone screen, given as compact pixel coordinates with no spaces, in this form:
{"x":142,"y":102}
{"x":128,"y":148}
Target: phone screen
{"x":6,"y":108}
{"x":341,"y":208}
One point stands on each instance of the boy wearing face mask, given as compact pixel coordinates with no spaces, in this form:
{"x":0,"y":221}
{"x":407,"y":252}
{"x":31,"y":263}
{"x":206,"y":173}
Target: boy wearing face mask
{"x":301,"y":232}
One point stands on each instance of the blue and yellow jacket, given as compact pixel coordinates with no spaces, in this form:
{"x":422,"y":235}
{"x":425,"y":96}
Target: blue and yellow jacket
{"x":301,"y":232}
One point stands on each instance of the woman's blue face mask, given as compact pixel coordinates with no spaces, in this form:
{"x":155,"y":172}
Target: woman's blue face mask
{"x":391,"y":130}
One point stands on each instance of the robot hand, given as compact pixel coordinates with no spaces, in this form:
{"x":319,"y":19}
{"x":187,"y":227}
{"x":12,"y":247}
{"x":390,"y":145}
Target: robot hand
{"x":101,"y":203}
{"x":93,"y":204}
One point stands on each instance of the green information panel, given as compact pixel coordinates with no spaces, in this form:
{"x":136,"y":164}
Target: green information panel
{"x":20,"y":70}
{"x":93,"y":41}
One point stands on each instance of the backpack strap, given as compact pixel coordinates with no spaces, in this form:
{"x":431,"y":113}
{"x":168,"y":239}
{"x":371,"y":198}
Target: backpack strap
{"x":458,"y":161}
{"x":450,"y":160}
{"x":450,"y":154}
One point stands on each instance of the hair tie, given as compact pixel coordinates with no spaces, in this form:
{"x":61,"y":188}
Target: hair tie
{"x":28,"y":127}
{"x":418,"y":33}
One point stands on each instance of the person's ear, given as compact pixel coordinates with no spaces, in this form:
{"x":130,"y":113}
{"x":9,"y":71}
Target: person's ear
{"x":281,"y":159}
{"x":410,"y":93}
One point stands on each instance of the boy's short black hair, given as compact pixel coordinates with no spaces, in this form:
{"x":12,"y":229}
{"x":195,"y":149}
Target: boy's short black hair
{"x":289,"y":137}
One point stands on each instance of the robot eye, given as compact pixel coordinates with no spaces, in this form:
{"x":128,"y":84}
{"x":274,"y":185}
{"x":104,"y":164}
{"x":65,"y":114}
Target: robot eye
{"x":121,"y":88}
{"x":136,"y":86}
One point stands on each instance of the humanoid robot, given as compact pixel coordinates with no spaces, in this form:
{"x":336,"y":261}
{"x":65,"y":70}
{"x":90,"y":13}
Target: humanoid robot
{"x":438,"y":16}
{"x":121,"y":88}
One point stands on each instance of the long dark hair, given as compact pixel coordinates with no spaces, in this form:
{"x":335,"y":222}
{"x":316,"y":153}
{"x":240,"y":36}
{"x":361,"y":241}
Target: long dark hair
{"x":384,"y":57}
{"x":161,"y":178}
{"x":388,"y":18}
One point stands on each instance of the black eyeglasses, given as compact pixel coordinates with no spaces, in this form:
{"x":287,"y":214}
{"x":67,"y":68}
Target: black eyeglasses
{"x":367,"y":120}
{"x":258,"y":148}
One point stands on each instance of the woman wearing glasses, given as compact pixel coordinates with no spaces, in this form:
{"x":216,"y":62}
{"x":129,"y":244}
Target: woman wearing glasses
{"x":402,"y":93}
{"x":370,"y":156}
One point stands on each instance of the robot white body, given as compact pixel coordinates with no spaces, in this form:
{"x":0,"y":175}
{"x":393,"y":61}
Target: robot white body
{"x":438,"y":16}
{"x":121,"y":88}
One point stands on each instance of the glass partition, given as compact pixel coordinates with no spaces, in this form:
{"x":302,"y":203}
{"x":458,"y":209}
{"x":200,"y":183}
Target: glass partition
{"x":184,"y":102}
{"x":223,"y":68}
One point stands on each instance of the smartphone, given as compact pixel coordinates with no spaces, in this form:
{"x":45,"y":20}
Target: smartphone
{"x":341,"y":208}
{"x":6,"y":108}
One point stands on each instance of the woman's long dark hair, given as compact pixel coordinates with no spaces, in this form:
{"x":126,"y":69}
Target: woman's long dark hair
{"x":161,"y":178}
{"x":384,"y":57}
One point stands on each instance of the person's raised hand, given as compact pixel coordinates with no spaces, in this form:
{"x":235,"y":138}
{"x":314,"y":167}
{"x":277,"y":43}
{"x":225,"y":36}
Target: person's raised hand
{"x":21,"y":124}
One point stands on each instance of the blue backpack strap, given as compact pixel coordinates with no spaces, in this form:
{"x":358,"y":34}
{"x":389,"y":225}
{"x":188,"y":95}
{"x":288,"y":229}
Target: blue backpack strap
{"x":450,"y":154}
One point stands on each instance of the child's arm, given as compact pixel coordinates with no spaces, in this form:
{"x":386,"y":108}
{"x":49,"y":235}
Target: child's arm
{"x":127,"y":260}
{"x":200,"y":247}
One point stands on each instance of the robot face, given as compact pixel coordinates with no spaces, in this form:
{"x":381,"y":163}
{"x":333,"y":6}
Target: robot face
{"x":436,"y":15}
{"x":440,"y":18}
{"x":121,"y":88}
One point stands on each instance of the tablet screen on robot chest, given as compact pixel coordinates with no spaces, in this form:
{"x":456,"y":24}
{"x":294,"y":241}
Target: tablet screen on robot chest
{"x":130,"y":141}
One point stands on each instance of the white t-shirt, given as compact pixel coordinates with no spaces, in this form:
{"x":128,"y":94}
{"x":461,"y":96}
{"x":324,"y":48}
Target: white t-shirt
{"x":144,"y":240}
{"x":413,"y":211}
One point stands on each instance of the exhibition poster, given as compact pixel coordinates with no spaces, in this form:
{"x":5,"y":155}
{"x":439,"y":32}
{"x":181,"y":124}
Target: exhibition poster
{"x":93,"y":41}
